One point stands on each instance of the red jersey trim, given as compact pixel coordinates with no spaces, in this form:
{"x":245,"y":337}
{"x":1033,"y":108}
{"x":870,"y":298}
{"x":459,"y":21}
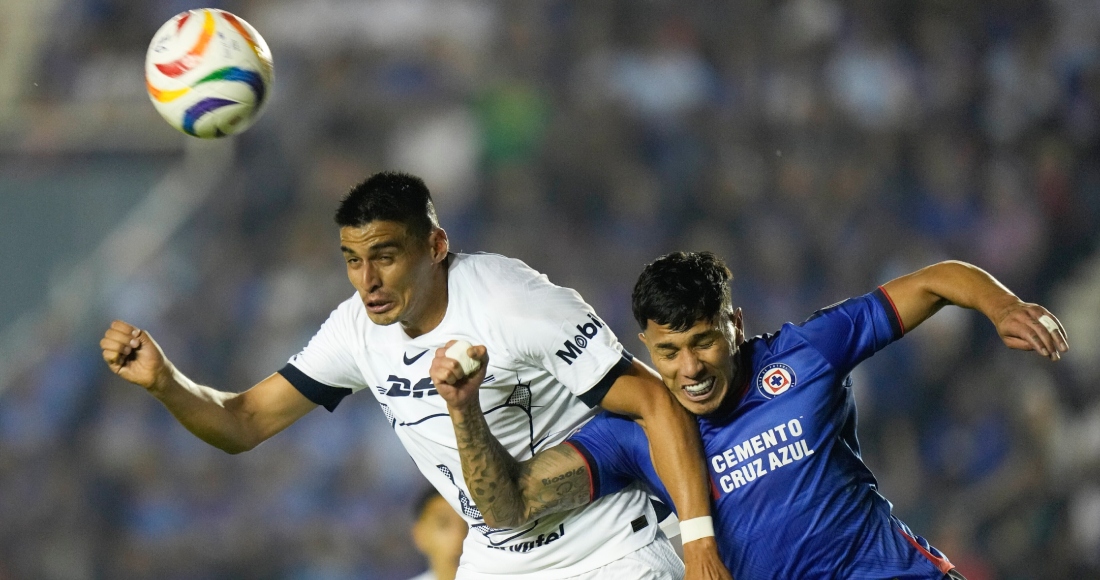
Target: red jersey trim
{"x":897,"y":314}
{"x":942,"y":564}
{"x":584,"y":457}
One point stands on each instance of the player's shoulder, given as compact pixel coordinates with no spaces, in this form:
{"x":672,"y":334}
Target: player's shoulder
{"x":509,"y":286}
{"x":484,"y":269}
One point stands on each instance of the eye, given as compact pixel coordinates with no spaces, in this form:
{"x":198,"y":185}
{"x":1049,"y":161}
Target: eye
{"x":385,"y":259}
{"x":668,"y":355}
{"x":704,"y":345}
{"x":351,"y":261}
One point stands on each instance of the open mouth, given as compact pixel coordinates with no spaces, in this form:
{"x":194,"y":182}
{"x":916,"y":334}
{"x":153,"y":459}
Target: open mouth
{"x":379,"y":306}
{"x":699,"y":391}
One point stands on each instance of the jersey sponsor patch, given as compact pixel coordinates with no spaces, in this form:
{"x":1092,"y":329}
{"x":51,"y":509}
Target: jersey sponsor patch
{"x":572,"y":348}
{"x":775,"y":379}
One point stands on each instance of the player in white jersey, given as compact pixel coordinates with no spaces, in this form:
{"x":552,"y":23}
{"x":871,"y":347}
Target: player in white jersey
{"x":553,"y":361}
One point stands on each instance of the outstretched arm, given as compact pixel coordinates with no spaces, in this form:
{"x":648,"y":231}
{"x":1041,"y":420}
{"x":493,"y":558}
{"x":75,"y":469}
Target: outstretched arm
{"x":232,"y":422}
{"x":1021,"y":325}
{"x":508,"y":493}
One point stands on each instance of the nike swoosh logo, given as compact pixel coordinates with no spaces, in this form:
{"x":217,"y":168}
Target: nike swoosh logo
{"x":409,"y":361}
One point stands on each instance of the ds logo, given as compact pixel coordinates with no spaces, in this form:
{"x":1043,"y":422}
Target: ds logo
{"x":400,"y":387}
{"x":574,"y":347}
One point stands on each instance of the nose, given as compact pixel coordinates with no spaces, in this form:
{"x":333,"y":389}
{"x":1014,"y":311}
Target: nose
{"x":690,"y":365}
{"x":368,"y":278}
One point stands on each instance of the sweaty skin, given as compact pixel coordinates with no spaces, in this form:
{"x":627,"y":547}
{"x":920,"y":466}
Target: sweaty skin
{"x":557,"y":479}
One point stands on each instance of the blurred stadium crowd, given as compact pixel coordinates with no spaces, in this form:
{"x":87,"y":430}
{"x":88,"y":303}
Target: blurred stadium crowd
{"x":821,"y":147}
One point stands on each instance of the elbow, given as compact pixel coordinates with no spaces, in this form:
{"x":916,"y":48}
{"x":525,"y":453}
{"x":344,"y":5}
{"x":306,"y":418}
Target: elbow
{"x":236,"y":449}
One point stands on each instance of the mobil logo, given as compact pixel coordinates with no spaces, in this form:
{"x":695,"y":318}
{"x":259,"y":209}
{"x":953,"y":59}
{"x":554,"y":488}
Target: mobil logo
{"x":575,"y":346}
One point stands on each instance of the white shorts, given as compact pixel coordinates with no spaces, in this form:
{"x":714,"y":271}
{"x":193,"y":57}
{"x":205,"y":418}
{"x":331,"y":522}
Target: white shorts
{"x":657,"y":561}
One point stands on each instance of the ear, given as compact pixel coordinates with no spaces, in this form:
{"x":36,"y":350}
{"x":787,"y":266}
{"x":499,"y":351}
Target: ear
{"x":738,"y":322}
{"x":439,"y":244}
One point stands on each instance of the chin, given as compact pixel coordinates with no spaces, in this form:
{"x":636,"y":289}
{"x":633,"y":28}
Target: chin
{"x":384,"y":319}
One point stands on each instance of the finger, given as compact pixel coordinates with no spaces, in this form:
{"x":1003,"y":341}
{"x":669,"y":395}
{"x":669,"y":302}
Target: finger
{"x":445,"y":371}
{"x":1032,"y":338}
{"x":123,"y":327}
{"x":113,"y":359}
{"x":115,"y":346}
{"x":1043,"y":336}
{"x":1051,"y":323}
{"x":122,"y":338}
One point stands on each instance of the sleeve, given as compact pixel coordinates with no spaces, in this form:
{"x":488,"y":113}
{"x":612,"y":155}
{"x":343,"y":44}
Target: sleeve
{"x":325,"y":371}
{"x":851,"y":331}
{"x":561,"y":333}
{"x":617,"y":453}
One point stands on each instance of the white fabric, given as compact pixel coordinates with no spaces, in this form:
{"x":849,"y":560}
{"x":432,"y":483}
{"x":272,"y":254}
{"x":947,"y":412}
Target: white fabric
{"x":657,"y":561}
{"x":696,"y":528}
{"x":546,"y":346}
{"x":426,"y":575}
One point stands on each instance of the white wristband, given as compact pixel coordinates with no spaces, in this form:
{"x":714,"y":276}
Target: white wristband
{"x":696,"y":528}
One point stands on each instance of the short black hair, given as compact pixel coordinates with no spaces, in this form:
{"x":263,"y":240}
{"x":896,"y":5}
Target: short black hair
{"x":390,"y":196}
{"x":423,"y":500}
{"x":682,"y":289}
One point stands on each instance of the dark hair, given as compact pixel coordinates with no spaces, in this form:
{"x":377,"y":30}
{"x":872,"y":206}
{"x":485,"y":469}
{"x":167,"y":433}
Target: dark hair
{"x":423,"y":500}
{"x":390,"y":196}
{"x":681,"y":289}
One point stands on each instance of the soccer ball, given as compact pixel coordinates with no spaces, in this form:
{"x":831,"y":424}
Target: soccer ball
{"x":208,"y":73}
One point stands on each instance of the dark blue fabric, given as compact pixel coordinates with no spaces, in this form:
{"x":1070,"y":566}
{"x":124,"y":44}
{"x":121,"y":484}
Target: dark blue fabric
{"x":794,"y":498}
{"x":316,"y":391}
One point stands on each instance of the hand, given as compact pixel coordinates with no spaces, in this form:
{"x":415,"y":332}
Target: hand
{"x":702,"y":561}
{"x":1020,"y":328}
{"x":460,"y":391}
{"x":133,"y":355}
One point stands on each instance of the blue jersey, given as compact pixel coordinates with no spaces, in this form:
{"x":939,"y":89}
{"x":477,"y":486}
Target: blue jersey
{"x":793,"y":499}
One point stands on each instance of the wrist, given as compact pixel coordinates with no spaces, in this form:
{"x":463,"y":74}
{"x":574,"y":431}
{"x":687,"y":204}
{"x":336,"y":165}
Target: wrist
{"x":165,"y":379}
{"x":701,"y":548}
{"x":697,"y":529}
{"x":465,"y":409}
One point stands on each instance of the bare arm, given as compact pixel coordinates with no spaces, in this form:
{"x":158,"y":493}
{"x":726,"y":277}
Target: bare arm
{"x":232,"y":422}
{"x":508,"y":493}
{"x":919,"y":295}
{"x":677,"y":454}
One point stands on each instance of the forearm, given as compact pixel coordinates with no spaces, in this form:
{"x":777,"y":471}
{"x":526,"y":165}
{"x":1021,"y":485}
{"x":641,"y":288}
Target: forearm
{"x":491,"y":474}
{"x":214,"y":416}
{"x":678,"y":456}
{"x":919,"y":295}
{"x":510,"y":493}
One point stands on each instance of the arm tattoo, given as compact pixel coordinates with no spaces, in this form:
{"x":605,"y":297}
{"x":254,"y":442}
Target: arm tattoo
{"x":510,"y":493}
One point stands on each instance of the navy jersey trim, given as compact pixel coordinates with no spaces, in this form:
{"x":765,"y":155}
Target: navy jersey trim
{"x":316,"y":391}
{"x":593,"y":474}
{"x":659,"y":507}
{"x":891,"y":312}
{"x":593,"y":396}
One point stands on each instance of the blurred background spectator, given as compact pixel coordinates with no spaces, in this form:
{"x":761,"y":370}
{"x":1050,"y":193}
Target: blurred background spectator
{"x":821,"y":146}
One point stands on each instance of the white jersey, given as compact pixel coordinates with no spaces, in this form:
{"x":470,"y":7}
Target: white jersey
{"x":548,"y":354}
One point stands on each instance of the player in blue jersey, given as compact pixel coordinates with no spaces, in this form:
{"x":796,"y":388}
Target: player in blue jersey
{"x":777,"y":417}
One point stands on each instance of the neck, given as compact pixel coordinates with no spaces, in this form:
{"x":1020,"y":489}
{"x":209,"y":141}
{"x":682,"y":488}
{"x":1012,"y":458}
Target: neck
{"x":434,"y":308}
{"x":738,"y":385}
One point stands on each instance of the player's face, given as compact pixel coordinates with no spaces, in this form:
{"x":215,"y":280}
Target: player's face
{"x":394,"y":274}
{"x":699,"y":364}
{"x":439,"y":532}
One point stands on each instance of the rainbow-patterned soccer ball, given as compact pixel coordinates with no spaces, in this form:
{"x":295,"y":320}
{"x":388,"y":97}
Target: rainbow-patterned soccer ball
{"x":208,"y":73}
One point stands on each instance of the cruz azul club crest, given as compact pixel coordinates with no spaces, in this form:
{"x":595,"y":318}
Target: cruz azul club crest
{"x":775,"y":379}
